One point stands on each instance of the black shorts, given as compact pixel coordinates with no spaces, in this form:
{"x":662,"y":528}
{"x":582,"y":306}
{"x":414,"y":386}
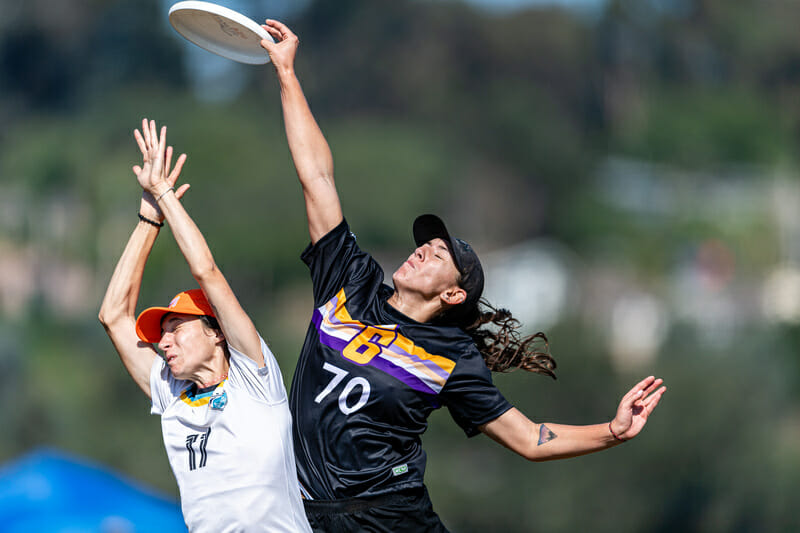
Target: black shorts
{"x":407,"y":510}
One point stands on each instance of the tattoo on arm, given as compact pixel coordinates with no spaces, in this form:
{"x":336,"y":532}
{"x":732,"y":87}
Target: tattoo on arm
{"x":545,"y":435}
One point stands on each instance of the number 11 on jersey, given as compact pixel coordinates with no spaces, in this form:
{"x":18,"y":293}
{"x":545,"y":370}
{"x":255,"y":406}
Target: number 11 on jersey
{"x":190,"y":442}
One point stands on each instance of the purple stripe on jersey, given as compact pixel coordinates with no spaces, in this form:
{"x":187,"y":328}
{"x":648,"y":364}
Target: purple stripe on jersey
{"x":398,"y":373}
{"x":328,"y":340}
{"x":430,"y":365}
{"x":377,"y":362}
{"x":387,"y":365}
{"x":332,"y":318}
{"x":316,"y":318}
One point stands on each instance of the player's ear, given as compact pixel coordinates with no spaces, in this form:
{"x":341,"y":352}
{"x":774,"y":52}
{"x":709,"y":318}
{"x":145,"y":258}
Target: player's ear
{"x":213,"y":330}
{"x":218,"y":334}
{"x":219,"y":337}
{"x":453,"y":296}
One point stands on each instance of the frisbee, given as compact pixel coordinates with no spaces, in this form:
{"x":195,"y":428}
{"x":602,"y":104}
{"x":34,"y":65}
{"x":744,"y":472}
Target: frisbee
{"x":220,"y":30}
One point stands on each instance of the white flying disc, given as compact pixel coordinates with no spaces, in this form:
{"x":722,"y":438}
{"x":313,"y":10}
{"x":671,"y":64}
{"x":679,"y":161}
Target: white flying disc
{"x":220,"y":30}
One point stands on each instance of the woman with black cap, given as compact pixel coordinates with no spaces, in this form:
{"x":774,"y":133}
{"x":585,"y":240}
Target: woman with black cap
{"x":377,"y":360}
{"x":218,"y":389}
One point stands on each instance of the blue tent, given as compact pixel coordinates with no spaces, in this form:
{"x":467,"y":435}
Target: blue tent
{"x":48,"y":491}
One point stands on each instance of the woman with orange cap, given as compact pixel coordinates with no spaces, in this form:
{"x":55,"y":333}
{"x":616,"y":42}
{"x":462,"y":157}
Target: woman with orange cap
{"x":224,"y":410}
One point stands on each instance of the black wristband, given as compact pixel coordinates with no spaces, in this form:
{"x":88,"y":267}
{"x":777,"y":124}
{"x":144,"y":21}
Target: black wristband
{"x":151,"y":222}
{"x":616,"y":437}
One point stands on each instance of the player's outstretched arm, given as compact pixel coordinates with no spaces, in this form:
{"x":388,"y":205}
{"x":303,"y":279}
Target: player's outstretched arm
{"x":310,"y":151}
{"x":236,"y":325}
{"x":546,"y":441}
{"x":117,"y":312}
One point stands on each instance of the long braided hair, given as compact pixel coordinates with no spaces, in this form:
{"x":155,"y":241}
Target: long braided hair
{"x":496,"y":334}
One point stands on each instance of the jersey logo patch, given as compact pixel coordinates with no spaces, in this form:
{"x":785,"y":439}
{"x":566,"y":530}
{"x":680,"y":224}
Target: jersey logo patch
{"x":219,"y":401}
{"x":400,"y":470}
{"x":381,"y":347}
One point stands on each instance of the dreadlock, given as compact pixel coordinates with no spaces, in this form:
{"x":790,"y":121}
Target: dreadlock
{"x":500,"y":344}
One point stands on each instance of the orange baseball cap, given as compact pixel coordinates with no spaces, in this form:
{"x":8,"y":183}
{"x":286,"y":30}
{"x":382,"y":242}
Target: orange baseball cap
{"x":193,"y":302}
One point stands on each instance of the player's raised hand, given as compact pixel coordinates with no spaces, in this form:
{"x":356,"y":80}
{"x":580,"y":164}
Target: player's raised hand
{"x":636,"y":406}
{"x":156,"y":174}
{"x":283,"y":50}
{"x":151,"y":177}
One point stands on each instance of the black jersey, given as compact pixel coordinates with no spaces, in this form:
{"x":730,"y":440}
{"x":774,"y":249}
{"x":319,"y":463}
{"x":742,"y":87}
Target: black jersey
{"x":368,"y":377}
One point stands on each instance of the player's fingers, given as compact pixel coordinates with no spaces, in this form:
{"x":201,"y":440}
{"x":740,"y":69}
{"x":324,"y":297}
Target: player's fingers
{"x":642,"y":385}
{"x":267,"y":45}
{"x":162,"y":140}
{"x":146,"y":134}
{"x":173,"y":176}
{"x":652,"y":396}
{"x":281,"y":27}
{"x":167,"y":160}
{"x":653,"y":399}
{"x":140,"y":142}
{"x":276,"y":24}
{"x":629,"y":399}
{"x":634,"y":393}
{"x":153,"y":137}
{"x":146,"y":131}
{"x":182,"y":190}
{"x":273,"y":32}
{"x":653,"y":386}
{"x":153,"y":140}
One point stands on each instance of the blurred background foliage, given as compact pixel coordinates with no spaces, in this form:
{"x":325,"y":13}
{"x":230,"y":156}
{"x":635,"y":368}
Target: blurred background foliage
{"x":627,"y":169}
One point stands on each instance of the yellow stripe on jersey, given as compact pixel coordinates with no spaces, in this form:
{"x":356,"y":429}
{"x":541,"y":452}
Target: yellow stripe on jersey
{"x":190,"y":397}
{"x":380,"y":346}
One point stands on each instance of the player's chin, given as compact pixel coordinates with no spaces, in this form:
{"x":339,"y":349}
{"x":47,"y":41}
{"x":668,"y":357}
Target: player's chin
{"x":398,"y":276}
{"x":176,"y":368}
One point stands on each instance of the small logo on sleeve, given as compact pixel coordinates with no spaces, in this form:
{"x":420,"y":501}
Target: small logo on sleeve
{"x":400,"y":470}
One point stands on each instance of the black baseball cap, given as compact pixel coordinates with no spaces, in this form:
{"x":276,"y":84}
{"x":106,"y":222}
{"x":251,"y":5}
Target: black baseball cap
{"x":428,"y":227}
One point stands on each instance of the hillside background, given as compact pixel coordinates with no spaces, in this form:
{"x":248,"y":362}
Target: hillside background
{"x":627,"y":169}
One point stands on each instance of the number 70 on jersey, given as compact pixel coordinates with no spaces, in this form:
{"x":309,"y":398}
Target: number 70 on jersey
{"x":339,"y":375}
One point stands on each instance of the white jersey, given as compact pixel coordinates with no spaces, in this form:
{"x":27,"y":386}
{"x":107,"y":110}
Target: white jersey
{"x":230,"y":448}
